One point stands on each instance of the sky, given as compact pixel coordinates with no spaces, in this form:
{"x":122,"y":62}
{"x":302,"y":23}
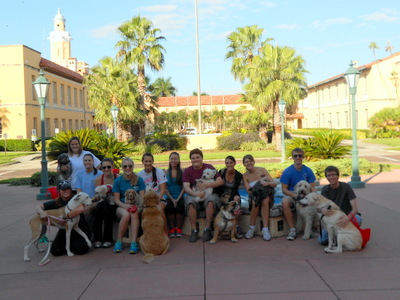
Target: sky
{"x":326,"y":35}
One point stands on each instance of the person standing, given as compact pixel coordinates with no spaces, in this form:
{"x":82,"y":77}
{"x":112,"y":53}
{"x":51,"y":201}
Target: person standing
{"x":85,"y":179}
{"x":210,"y":204}
{"x":290,"y":177}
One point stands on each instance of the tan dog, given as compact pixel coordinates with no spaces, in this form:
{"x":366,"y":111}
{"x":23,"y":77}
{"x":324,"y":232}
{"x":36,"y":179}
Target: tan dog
{"x":154,"y":241}
{"x":348,"y":237}
{"x":225,"y":221}
{"x":37,"y":222}
{"x":133,"y":198}
{"x":306,"y":215}
{"x":208,"y":176}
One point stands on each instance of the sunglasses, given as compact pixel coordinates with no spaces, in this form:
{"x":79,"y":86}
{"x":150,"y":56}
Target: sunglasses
{"x":127,"y":166}
{"x":297,"y":155}
{"x":106,"y":167}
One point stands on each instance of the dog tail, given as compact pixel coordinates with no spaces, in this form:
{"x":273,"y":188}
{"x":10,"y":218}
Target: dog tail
{"x":148,"y":258}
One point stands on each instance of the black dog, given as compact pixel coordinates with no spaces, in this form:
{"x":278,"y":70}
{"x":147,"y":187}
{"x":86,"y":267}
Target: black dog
{"x":64,"y":167}
{"x":259,"y":193}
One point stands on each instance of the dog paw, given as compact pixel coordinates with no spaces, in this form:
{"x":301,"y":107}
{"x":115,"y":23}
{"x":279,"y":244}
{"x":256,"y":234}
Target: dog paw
{"x":212,"y":242}
{"x":27,"y":259}
{"x":70,"y":254}
{"x":234,"y":240}
{"x":306,"y":237}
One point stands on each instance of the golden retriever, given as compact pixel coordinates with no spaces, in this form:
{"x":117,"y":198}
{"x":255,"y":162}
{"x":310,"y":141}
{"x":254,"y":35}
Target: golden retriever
{"x":154,"y":241}
{"x":306,"y":215}
{"x":348,"y":237}
{"x":225,"y":221}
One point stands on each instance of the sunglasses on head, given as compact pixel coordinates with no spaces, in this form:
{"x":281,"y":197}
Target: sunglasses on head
{"x":297,"y":155}
{"x":127,"y":166}
{"x":106,"y":167}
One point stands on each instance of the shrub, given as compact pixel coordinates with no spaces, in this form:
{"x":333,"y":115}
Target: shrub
{"x":386,"y":123}
{"x":36,"y":178}
{"x":233,"y":141}
{"x":22,"y":145}
{"x":20,"y":181}
{"x":254,"y":146}
{"x":167,"y":141}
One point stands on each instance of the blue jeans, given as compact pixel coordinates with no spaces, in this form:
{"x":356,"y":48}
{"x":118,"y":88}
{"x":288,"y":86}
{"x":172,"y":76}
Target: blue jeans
{"x":323,"y":238}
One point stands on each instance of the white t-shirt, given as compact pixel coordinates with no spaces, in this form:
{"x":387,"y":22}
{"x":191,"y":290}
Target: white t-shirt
{"x":148,"y":179}
{"x":77,"y":165}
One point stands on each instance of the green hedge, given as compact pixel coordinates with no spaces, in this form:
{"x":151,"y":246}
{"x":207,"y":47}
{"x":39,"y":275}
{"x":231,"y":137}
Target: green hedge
{"x":361,"y":133}
{"x":21,"y":145}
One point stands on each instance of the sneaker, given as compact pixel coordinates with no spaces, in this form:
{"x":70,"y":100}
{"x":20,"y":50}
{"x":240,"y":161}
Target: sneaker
{"x":178,"y":232}
{"x":172,"y":233}
{"x":107,"y":244}
{"x":266,"y":234}
{"x":118,"y":247}
{"x":207,"y":235}
{"x":134,"y":248}
{"x":44,"y":239}
{"x":292,"y":235}
{"x":250,"y":232}
{"x":239,"y":232}
{"x":193,"y":236}
{"x":97,"y":244}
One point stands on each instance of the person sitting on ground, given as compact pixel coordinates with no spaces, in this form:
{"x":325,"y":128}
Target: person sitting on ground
{"x":250,"y":178}
{"x":128,"y":180}
{"x":210,"y":204}
{"x":343,"y":195}
{"x":104,"y":214}
{"x":230,"y":189}
{"x":78,"y":244}
{"x":290,"y":177}
{"x":175,"y":209}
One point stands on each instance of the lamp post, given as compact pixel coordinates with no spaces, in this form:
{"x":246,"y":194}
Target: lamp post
{"x":42,"y":85}
{"x":114,"y":113}
{"x":282,"y":105}
{"x":352,"y":75}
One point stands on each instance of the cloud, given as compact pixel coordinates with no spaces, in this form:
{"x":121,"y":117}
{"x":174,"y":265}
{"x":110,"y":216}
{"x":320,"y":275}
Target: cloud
{"x":169,"y":23}
{"x":158,"y":8}
{"x":379,"y":16}
{"x":287,"y":26}
{"x":268,"y":3}
{"x":329,"y":22}
{"x":104,"y":32}
{"x":218,"y":36}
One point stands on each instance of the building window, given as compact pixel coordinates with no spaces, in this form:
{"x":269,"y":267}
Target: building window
{"x":33,"y":89}
{"x":62,"y":100}
{"x":69,"y":96}
{"x":63,"y":125}
{"x":47,"y":127}
{"x":56,"y":129}
{"x":70,"y":124}
{"x":54,"y":92}
{"x":82,"y":125}
{"x":337,"y":120}
{"x":1,"y":127}
{"x":80,"y":98}
{"x":75,"y":97}
{"x":76,"y":125}
{"x":346,"y":115}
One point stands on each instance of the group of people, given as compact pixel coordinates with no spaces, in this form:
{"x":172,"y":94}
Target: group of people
{"x":178,"y":190}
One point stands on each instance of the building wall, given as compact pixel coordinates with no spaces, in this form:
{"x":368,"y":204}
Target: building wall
{"x":19,"y":106}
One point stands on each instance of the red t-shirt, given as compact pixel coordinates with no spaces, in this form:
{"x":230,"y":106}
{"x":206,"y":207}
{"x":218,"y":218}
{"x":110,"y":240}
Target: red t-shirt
{"x":191,"y":174}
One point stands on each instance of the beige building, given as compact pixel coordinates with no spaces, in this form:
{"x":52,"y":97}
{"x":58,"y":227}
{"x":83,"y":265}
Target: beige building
{"x":328,"y":103}
{"x":66,"y":106}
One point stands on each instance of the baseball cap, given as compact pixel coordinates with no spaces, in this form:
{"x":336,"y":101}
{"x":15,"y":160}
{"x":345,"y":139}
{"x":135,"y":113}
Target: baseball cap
{"x":64,"y":185}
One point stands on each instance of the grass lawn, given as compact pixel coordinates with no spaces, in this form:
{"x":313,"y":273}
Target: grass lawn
{"x":9,"y":156}
{"x":213,"y":154}
{"x":394,"y":143}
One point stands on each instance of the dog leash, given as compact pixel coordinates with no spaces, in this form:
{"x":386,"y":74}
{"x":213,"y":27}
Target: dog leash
{"x":45,"y":261}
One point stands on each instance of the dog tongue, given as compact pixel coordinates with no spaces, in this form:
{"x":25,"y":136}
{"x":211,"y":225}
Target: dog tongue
{"x":237,"y":212}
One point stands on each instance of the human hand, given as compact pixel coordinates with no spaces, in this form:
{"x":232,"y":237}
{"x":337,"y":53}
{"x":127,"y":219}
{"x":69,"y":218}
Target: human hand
{"x":201,"y":185}
{"x":327,"y":212}
{"x":343,"y":221}
{"x":201,"y":194}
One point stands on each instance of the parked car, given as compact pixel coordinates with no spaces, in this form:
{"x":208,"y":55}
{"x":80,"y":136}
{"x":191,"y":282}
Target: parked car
{"x":190,"y":131}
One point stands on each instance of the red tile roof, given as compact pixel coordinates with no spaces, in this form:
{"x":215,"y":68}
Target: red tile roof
{"x":193,"y":101}
{"x":54,"y":68}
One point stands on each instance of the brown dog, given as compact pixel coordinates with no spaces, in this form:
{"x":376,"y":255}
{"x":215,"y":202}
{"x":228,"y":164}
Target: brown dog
{"x":133,"y":198}
{"x":225,"y":221}
{"x":154,"y":241}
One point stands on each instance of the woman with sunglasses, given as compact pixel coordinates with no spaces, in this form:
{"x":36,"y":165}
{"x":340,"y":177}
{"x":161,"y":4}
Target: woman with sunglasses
{"x":105,"y":210}
{"x":128,"y":180}
{"x":253,"y":175}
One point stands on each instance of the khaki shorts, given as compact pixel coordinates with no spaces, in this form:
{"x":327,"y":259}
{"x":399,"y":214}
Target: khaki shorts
{"x":202,"y":205}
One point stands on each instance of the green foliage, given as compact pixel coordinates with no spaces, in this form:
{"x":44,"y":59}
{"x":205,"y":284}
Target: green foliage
{"x":36,"y":178}
{"x":167,"y":141}
{"x":233,"y":141}
{"x":347,"y":133}
{"x":386,"y":123}
{"x":16,"y":145}
{"x":254,"y":146}
{"x":20,"y":181}
{"x":325,"y":145}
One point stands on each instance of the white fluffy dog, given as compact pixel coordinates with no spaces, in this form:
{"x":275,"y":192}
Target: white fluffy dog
{"x":348,"y":237}
{"x":208,"y":176}
{"x":306,"y":215}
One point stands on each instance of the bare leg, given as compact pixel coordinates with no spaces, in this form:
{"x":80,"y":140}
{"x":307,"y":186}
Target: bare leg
{"x":192,"y":216}
{"x":209,"y":213}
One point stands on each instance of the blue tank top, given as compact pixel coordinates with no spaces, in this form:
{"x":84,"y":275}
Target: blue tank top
{"x":173,"y":188}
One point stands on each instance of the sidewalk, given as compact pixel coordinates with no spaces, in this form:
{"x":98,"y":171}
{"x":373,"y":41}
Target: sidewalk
{"x":250,"y":269}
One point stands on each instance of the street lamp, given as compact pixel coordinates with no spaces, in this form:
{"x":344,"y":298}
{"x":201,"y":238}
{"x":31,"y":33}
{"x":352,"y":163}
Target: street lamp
{"x":282,"y":105}
{"x":114,"y":113}
{"x":42,"y":87}
{"x":352,"y":75}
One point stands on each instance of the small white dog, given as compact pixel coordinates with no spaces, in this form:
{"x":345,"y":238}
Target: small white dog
{"x":208,"y":176}
{"x":36,"y":223}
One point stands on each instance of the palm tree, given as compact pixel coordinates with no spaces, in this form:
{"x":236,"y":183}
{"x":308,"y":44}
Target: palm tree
{"x":162,"y":87}
{"x":112,"y":83}
{"x":389,"y":48}
{"x":373,"y":46}
{"x":276,"y":73}
{"x":194,"y":93}
{"x":244,"y":45}
{"x":140,"y":47}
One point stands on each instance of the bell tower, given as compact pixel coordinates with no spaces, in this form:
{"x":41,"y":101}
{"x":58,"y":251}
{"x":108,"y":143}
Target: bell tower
{"x":60,"y":41}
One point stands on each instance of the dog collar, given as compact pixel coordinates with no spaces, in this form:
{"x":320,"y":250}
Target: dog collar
{"x":223,"y":216}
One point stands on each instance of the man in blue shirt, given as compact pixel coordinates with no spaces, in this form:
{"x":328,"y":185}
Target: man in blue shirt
{"x":290,"y":177}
